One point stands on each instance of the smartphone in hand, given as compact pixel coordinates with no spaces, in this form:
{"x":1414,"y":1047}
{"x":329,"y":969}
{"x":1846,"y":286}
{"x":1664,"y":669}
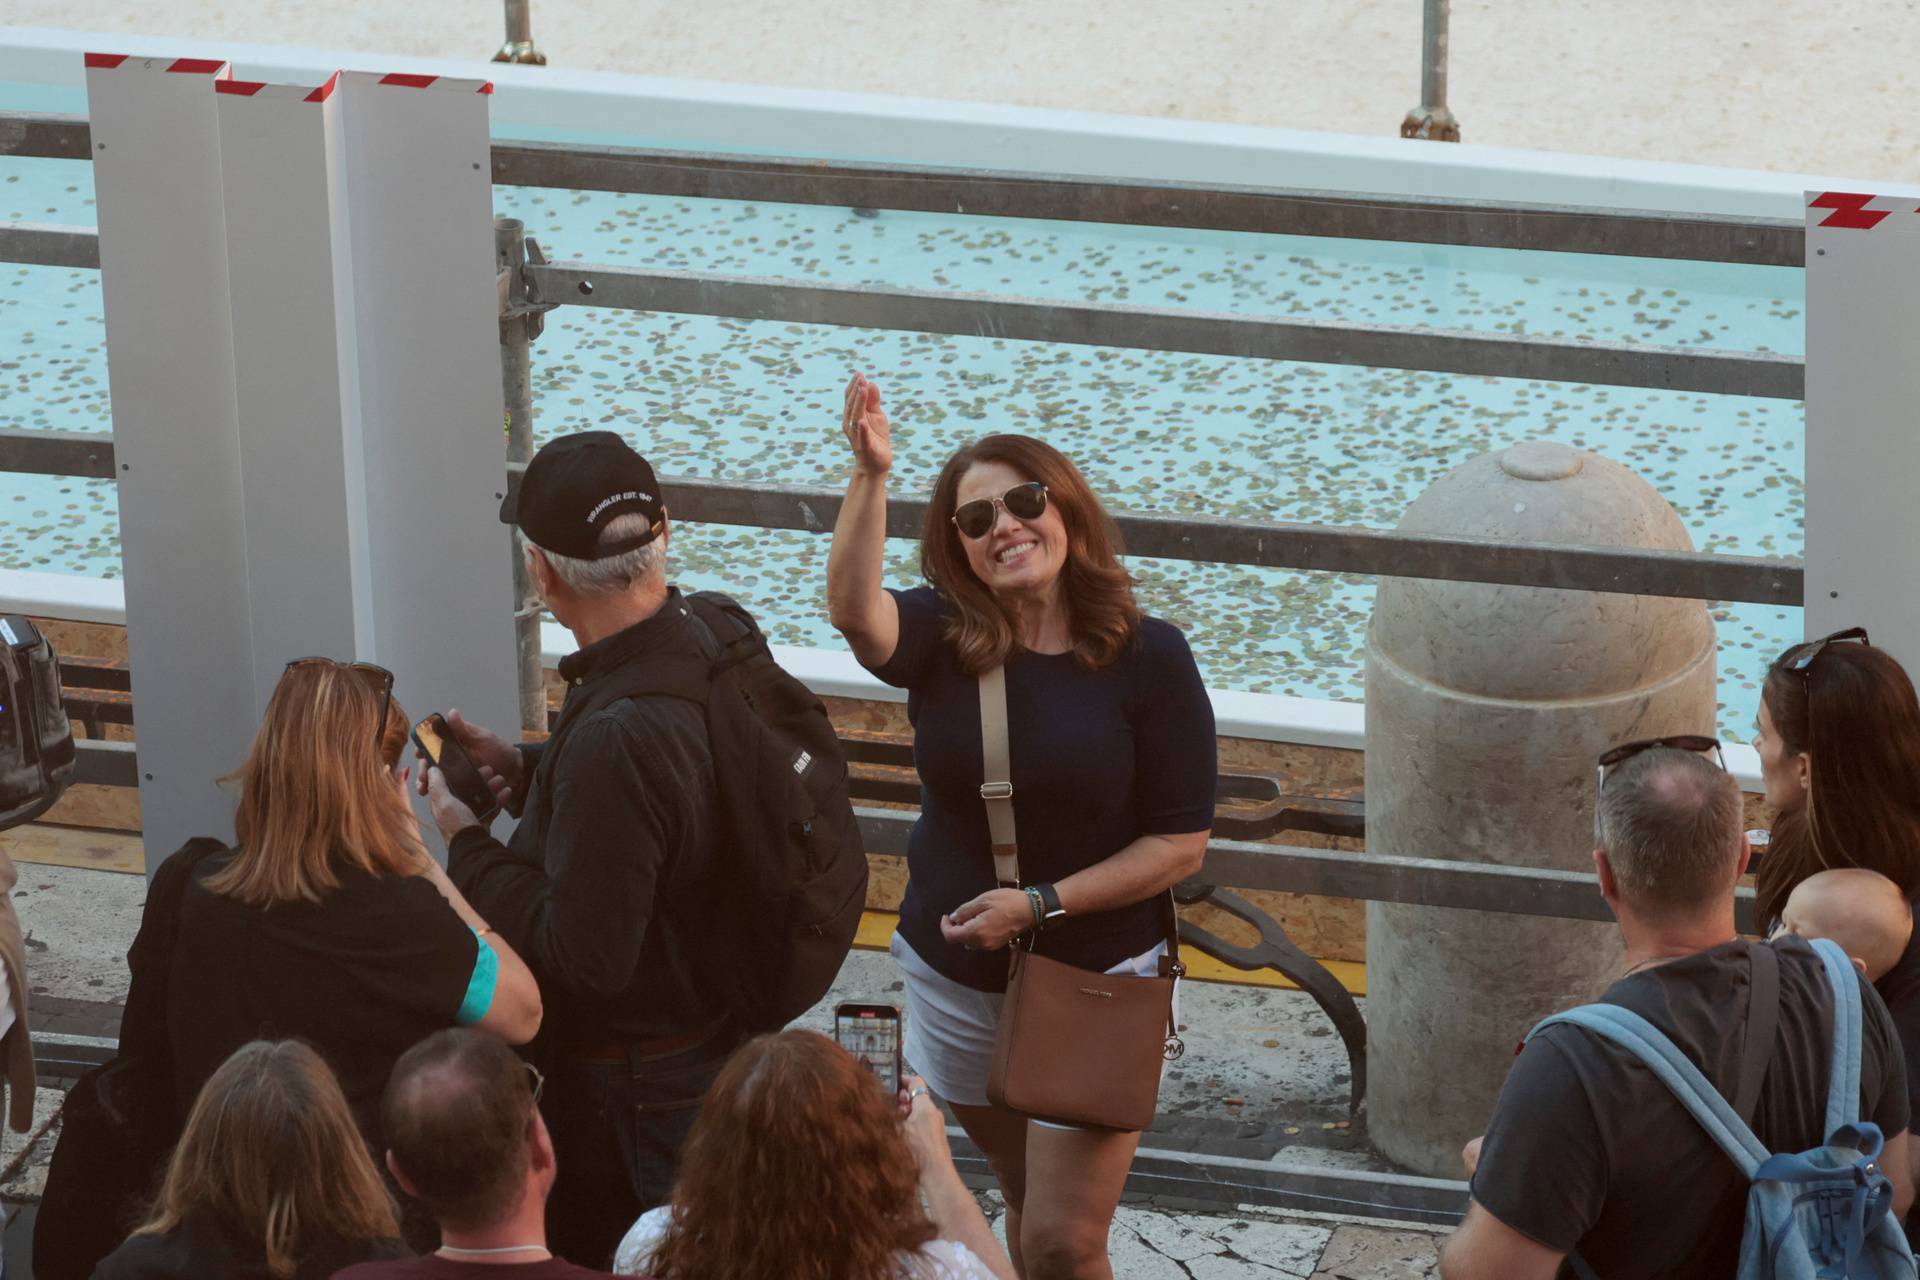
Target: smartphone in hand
{"x":438,"y":747}
{"x":871,"y":1033}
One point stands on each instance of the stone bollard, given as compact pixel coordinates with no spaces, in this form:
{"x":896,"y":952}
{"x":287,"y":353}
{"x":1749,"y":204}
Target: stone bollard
{"x":1486,"y":707}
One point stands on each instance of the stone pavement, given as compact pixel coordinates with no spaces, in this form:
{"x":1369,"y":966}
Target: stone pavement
{"x":1264,"y":1078}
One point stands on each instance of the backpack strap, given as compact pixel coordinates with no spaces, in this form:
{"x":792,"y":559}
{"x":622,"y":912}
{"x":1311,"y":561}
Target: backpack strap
{"x":1763,"y":1021}
{"x":1843,"y":1077}
{"x":1644,"y":1041}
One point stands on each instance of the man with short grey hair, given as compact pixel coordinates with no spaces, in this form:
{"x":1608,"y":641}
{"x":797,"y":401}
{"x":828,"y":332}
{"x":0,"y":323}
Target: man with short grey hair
{"x":603,"y":888}
{"x":1587,"y":1152}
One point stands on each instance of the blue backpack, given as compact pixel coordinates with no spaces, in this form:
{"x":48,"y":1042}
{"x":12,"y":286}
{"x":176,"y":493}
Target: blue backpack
{"x":1822,"y":1214}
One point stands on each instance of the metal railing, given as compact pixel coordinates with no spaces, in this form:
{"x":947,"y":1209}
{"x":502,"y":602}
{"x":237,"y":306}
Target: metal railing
{"x":1435,"y":882}
{"x":532,"y":286}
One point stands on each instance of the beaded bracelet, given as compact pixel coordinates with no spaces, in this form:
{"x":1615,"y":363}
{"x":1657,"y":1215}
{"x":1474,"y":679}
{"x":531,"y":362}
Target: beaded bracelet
{"x":1039,"y":907}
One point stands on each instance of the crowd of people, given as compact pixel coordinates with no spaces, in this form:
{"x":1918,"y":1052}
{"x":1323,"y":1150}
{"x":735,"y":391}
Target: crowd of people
{"x":373,"y":1067}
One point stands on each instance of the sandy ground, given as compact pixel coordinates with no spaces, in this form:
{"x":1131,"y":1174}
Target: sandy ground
{"x":1816,"y":86}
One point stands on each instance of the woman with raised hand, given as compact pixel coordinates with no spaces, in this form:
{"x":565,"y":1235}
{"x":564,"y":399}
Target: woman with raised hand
{"x":1113,"y":763}
{"x":271,"y":1181}
{"x":802,"y":1167}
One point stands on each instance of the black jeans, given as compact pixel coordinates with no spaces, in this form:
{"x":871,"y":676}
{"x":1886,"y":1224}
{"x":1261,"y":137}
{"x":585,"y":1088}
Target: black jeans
{"x":617,"y":1131}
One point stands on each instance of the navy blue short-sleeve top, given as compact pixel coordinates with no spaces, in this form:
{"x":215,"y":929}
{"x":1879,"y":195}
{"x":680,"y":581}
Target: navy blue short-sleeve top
{"x":1100,"y":758}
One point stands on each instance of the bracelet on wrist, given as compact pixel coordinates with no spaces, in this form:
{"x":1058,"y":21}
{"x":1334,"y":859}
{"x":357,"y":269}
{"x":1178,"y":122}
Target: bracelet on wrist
{"x":1038,"y":905}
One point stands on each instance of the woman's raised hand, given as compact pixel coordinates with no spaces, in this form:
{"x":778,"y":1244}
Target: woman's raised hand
{"x":867,"y":430}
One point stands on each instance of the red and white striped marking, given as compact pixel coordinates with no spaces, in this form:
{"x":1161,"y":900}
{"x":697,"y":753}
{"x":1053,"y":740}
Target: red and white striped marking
{"x":271,"y":92}
{"x":185,"y":66}
{"x":1859,"y":211}
{"x":405,"y":81}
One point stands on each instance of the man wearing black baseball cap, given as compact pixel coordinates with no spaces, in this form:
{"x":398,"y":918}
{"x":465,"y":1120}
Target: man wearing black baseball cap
{"x":593,"y":889}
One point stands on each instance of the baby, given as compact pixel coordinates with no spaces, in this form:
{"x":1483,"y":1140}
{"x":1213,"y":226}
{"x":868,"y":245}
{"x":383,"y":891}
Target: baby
{"x":1861,"y":910}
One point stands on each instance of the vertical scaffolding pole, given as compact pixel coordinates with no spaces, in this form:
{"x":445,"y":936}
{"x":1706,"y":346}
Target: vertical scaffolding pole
{"x":519,"y":45}
{"x":1432,"y":120}
{"x":518,"y":328}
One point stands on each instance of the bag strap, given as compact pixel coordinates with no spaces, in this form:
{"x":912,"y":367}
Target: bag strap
{"x":1644,"y":1041}
{"x":996,"y":790}
{"x":1763,"y":1021}
{"x":1843,"y":1077}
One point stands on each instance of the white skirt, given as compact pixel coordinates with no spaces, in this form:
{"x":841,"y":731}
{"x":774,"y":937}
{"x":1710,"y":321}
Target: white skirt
{"x":951,"y":1028}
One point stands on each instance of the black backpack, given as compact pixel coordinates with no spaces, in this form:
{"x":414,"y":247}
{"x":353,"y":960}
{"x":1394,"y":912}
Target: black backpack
{"x":790,"y":871}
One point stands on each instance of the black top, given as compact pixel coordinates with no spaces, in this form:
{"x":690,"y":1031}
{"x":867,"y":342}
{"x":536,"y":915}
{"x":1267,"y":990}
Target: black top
{"x":362,"y":976}
{"x":1100,"y":758}
{"x":601,"y":875}
{"x":434,"y":1267}
{"x":202,"y":1249}
{"x":1588,"y":1151}
{"x":1899,"y":987}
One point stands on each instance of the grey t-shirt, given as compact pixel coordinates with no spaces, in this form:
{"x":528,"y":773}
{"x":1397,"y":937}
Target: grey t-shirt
{"x":1588,"y":1152}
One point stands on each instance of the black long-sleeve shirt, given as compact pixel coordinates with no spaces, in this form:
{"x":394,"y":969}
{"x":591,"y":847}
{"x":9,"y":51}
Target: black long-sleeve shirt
{"x":598,"y":890}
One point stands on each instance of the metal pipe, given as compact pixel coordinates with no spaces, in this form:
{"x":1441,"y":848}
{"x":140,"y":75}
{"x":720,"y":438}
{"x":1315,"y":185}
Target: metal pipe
{"x":1431,"y":120}
{"x":516,"y":385}
{"x":519,"y":46}
{"x":1691,"y":575}
{"x":1102,"y":324}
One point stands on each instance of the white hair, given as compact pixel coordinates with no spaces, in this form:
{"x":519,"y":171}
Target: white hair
{"x":613,"y":574}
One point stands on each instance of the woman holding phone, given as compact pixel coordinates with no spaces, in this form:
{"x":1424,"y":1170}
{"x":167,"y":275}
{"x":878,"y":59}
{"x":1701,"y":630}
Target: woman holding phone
{"x":328,"y":920}
{"x":1113,"y":764}
{"x":798,"y":1168}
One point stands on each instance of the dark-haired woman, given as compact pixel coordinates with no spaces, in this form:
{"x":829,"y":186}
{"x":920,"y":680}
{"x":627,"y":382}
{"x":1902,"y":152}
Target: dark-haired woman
{"x":1839,"y":744}
{"x":1113,"y":766}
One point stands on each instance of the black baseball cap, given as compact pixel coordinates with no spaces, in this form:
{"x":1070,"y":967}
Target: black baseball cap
{"x":575,"y":486}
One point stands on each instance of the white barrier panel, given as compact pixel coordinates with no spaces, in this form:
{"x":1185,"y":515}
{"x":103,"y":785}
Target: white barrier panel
{"x":170,"y":368}
{"x":1863,"y":418}
{"x":299,"y":450}
{"x":419,"y":214}
{"x":306,"y":378}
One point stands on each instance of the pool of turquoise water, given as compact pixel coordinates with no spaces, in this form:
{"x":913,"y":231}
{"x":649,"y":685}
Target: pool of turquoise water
{"x":1155,"y":431}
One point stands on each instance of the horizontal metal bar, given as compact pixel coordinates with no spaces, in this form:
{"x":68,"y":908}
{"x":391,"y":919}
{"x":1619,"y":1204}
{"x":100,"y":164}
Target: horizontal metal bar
{"x":1279,"y":211}
{"x":1213,"y":540}
{"x":46,"y":136}
{"x":1101,"y":324}
{"x":41,"y":244}
{"x":1374,"y":877}
{"x":1139,"y":202}
{"x":1327,"y":548}
{"x":56,"y":453}
{"x":106,"y":763}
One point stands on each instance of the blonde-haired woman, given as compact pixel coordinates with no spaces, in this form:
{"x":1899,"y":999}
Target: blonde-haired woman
{"x":270,"y":1180}
{"x":328,"y":920}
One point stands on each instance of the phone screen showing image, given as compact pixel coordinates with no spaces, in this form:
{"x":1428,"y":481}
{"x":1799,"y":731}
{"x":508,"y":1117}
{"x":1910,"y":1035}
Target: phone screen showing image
{"x":871,"y":1033}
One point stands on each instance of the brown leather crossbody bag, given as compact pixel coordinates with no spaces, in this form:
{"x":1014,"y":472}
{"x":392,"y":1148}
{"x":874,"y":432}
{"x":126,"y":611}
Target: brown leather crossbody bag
{"x":1074,"y":1046}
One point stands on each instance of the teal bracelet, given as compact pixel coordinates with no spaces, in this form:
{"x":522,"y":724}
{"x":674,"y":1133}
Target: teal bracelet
{"x":1039,"y":907}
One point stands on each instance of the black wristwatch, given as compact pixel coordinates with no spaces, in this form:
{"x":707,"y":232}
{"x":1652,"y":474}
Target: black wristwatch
{"x":1050,"y":908}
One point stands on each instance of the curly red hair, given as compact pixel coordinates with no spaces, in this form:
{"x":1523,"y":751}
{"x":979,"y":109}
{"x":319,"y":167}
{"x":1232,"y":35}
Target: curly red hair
{"x":795,"y":1170}
{"x":1102,"y":614}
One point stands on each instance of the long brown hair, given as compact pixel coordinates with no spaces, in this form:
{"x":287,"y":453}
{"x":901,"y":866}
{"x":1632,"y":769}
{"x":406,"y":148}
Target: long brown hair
{"x":1855,"y":715}
{"x":795,"y":1170}
{"x":316,"y":794}
{"x":1101,"y":612}
{"x":272,"y":1153}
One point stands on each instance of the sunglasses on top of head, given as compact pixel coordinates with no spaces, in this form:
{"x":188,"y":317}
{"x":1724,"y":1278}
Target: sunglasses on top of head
{"x":376,"y":678}
{"x":1023,"y":502}
{"x":1802,"y":660}
{"x":1698,"y":742}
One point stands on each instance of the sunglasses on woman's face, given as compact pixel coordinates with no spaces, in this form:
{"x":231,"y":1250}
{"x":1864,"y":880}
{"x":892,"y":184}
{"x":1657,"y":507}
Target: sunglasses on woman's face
{"x":1023,"y":502}
{"x":376,"y":678}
